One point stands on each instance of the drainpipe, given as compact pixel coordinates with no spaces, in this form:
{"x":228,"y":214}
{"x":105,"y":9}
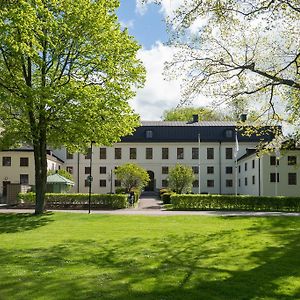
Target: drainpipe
{"x":78,"y":173}
{"x":259,"y":188}
{"x":220,"y":168}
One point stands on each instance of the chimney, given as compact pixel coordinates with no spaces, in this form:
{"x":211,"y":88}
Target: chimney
{"x":243,"y":117}
{"x":195,"y":118}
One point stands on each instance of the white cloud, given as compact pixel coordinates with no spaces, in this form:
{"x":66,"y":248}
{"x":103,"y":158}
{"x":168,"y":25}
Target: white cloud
{"x":127,"y":24}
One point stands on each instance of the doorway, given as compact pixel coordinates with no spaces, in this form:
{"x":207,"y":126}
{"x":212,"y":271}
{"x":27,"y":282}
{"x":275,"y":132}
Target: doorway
{"x":5,"y":184}
{"x":151,"y":184}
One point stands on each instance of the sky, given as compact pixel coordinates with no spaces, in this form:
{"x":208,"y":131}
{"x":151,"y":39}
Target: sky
{"x":146,"y":23}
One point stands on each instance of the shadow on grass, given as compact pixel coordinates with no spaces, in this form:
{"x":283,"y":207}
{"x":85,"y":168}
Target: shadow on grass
{"x":11,"y":223}
{"x":189,"y":266}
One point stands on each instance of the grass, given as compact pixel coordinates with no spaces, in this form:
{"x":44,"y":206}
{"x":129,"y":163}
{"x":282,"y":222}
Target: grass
{"x":77,"y":256}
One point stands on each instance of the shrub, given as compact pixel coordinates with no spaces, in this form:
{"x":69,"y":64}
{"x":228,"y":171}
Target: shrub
{"x":163,"y":191}
{"x":166,"y":198}
{"x":181,"y":179}
{"x":231,"y":202}
{"x":107,"y":201}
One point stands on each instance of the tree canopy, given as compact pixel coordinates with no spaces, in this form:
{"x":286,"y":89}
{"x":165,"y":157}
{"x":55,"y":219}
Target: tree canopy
{"x":67,"y":71}
{"x":132,"y":176}
{"x":181,"y":178}
{"x":240,"y":50}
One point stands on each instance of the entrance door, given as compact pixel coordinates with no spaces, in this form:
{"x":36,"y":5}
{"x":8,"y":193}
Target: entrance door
{"x":5,"y":184}
{"x":151,"y":185}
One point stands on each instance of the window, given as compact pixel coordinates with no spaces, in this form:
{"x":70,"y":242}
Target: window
{"x":210,"y":170}
{"x":228,"y":170}
{"x":273,"y":160}
{"x":69,"y":155}
{"x":89,"y":154}
{"x":149,"y":153}
{"x":239,"y":169}
{"x":210,"y":183}
{"x":239,"y":182}
{"x":229,"y":183}
{"x":246,"y":166}
{"x":195,"y":153}
{"x":292,"y":160}
{"x":165,"y":170}
{"x":24,"y":179}
{"x":86,"y":183}
{"x":118,"y":153}
{"x":102,"y":183}
{"x":273,"y":177}
{"x":253,"y":179}
{"x":253,"y":163}
{"x":229,"y":133}
{"x":180,"y":153}
{"x":228,"y":152}
{"x":102,"y":170}
{"x":196,"y":183}
{"x":102,"y":153}
{"x":6,"y":161}
{"x":210,"y":153}
{"x":149,"y":134}
{"x":117,"y":183}
{"x":24,"y":162}
{"x":195,"y":169}
{"x":132,"y":153}
{"x":165,"y":153}
{"x":69,"y":170}
{"x":164,"y":183}
{"x":87,"y":170}
{"x":246,"y":181}
{"x":292,"y":178}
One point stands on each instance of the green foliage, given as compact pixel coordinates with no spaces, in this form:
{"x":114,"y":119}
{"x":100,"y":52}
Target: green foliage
{"x":231,"y":202}
{"x":132,"y":176}
{"x":67,"y":71}
{"x":186,"y":114}
{"x":166,"y":197}
{"x":61,"y":172}
{"x":162,"y":191}
{"x":113,"y":201}
{"x":181,"y":179}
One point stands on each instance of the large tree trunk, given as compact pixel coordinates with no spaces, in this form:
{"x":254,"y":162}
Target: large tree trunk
{"x":40,"y":158}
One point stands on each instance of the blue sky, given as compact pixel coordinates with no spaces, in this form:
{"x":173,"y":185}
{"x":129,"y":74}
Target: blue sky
{"x":148,"y":27}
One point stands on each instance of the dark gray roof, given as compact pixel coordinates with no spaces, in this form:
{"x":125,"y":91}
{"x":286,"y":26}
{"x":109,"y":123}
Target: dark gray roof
{"x":249,"y":152}
{"x":169,"y":131}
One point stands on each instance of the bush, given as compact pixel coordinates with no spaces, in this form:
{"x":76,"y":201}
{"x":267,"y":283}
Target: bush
{"x":107,"y":201}
{"x":166,"y":198}
{"x":163,"y":191}
{"x":231,"y":202}
{"x":120,"y":190}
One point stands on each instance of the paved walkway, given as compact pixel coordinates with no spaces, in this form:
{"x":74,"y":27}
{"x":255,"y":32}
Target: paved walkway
{"x":150,"y":206}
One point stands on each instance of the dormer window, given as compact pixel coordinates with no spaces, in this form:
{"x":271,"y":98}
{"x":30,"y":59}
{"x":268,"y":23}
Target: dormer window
{"x":229,"y":133}
{"x":149,"y":134}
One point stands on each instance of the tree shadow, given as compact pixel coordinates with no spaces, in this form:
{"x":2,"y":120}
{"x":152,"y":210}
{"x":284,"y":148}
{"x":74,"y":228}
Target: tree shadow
{"x":185,"y":266}
{"x":11,"y":223}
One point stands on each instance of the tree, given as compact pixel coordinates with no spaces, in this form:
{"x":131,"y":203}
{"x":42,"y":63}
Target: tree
{"x":186,"y":114}
{"x":181,"y":179}
{"x":67,"y":71}
{"x":132,"y":176}
{"x":61,"y":172}
{"x":244,"y":50}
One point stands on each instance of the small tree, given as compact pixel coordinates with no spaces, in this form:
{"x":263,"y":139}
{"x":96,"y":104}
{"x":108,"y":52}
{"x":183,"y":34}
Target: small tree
{"x":181,"y":179}
{"x":61,"y":172}
{"x":132,"y":176}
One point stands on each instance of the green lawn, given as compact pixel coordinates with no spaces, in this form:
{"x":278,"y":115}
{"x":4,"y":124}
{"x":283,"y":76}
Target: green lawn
{"x":77,"y":256}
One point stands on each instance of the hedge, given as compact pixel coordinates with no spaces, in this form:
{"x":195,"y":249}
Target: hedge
{"x":166,"y":197}
{"x":231,"y":202}
{"x":108,"y":201}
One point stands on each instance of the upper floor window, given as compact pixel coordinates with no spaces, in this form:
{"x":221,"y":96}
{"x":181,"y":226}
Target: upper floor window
{"x":239,"y":169}
{"x":87,"y":170}
{"x":196,"y":183}
{"x":102,"y":183}
{"x":149,"y":153}
{"x":210,"y":170}
{"x":24,"y":178}
{"x":228,"y":170}
{"x":102,"y":170}
{"x":69,"y":170}
{"x":102,"y":153}
{"x":24,"y":162}
{"x":6,"y":161}
{"x":165,"y":153}
{"x":273,"y":177}
{"x":180,"y":153}
{"x":253,"y":163}
{"x":246,"y":166}
{"x":69,"y":155}
{"x":246,"y":181}
{"x":165,"y":170}
{"x":292,"y":160}
{"x":149,"y":134}
{"x":89,"y":153}
{"x":228,"y":152}
{"x":195,"y":153}
{"x":210,"y":183}
{"x":118,"y":153}
{"x":195,"y":169}
{"x":273,"y":160}
{"x":210,"y":153}
{"x":132,"y":153}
